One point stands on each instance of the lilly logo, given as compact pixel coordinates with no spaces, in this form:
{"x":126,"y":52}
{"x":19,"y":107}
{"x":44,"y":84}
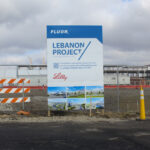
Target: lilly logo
{"x":60,"y":76}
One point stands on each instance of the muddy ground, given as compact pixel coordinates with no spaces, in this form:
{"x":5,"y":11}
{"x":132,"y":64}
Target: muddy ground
{"x":82,"y":133}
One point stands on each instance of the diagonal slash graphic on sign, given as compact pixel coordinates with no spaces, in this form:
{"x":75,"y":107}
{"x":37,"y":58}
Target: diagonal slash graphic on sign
{"x":84,"y":50}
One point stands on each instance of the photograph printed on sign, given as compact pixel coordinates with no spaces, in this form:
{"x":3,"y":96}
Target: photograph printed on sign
{"x":94,"y":97}
{"x":76,"y":103}
{"x":96,"y":103}
{"x":57,"y":104}
{"x":57,"y":92}
{"x":76,"y":92}
{"x":94,"y":91}
{"x":76,"y":97}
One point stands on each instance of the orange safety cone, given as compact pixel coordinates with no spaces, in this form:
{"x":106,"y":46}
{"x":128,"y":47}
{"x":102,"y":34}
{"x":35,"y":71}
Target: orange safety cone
{"x":142,"y":105}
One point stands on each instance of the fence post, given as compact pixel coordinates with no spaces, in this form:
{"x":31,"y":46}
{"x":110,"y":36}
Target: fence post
{"x":17,"y":71}
{"x":127,"y":108}
{"x":118,"y":92}
{"x":137,"y":106}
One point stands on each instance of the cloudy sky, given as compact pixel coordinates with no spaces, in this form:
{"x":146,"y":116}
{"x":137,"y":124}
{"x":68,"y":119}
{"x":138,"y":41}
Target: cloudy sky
{"x":126,"y":28}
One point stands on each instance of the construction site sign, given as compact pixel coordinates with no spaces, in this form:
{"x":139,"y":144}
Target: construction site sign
{"x":75,"y":67}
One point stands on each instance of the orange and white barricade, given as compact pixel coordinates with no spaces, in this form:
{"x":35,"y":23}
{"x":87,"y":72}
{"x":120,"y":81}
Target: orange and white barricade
{"x":14,"y":90}
{"x":15,"y":100}
{"x":14,"y":81}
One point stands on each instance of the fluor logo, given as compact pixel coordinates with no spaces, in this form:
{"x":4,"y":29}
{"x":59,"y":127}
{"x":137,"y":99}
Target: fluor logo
{"x":59,"y":32}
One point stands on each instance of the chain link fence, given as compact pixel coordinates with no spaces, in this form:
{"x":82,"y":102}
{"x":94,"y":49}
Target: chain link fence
{"x":122,"y":88}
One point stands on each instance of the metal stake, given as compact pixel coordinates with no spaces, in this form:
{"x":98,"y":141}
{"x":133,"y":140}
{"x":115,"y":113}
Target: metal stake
{"x":23,"y":95}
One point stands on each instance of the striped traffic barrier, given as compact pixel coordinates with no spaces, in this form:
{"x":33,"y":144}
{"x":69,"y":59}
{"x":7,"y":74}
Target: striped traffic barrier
{"x":14,"y":90}
{"x":14,"y":81}
{"x":14,"y":100}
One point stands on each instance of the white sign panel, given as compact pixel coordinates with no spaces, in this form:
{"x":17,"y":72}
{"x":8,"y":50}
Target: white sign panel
{"x":75,"y":67}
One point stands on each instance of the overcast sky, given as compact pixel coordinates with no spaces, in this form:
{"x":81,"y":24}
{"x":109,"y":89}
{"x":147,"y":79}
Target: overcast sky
{"x":126,"y":28}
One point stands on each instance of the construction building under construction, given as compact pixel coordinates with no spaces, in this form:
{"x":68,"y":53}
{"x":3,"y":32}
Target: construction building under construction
{"x":113,"y":74}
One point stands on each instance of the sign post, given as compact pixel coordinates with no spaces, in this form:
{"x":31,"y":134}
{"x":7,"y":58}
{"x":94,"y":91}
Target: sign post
{"x":90,"y":106}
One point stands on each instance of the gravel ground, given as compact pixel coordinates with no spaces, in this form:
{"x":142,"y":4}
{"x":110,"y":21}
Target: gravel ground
{"x":82,"y":119}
